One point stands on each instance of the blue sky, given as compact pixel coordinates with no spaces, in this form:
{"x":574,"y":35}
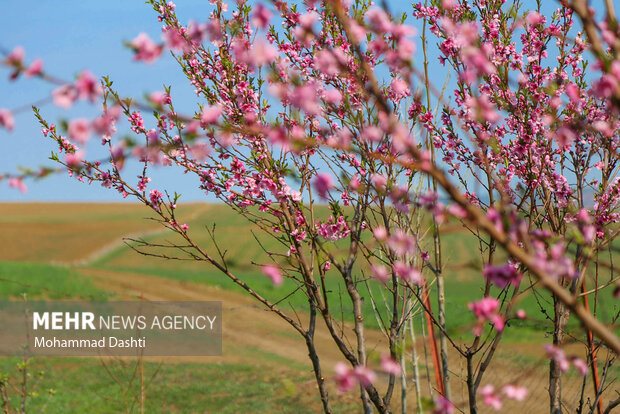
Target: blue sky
{"x":72,"y":35}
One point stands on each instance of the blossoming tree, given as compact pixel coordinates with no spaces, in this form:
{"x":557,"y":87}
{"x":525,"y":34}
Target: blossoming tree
{"x":319,"y":126}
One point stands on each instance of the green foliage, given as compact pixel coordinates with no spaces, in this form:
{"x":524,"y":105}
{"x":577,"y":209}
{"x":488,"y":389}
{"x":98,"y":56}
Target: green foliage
{"x":43,"y":281}
{"x":170,"y":388}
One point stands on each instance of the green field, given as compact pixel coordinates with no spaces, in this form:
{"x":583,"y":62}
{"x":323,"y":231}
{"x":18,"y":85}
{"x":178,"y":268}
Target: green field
{"x":462,"y":275}
{"x":27,"y":280}
{"x":266,"y":378}
{"x":71,"y":385}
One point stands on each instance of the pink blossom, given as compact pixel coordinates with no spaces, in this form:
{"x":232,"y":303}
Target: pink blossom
{"x":210,"y":114}
{"x":332,"y":96}
{"x":160,"y":98}
{"x":305,"y":97}
{"x":521,"y":314}
{"x":364,"y":375}
{"x":503,"y":275}
{"x":64,"y":96}
{"x":263,"y":53}
{"x":490,"y":397}
{"x":581,"y":366}
{"x":88,"y":86}
{"x":143,"y":180}
{"x":156,"y":198}
{"x":35,"y":68}
{"x":145,"y":49}
{"x":463,"y":35}
{"x":457,"y":211}
{"x":372,"y":134}
{"x":306,"y":20}
{"x":174,"y":39}
{"x":483,"y":109}
{"x":402,"y":30}
{"x":401,"y":243}
{"x":515,"y":392}
{"x":379,"y":181}
{"x":200,"y":151}
{"x":428,"y":199}
{"x":18,"y":183}
{"x":274,"y":273}
{"x":448,"y":4}
{"x":355,"y":183}
{"x":358,"y":33}
{"x":296,"y":196}
{"x":573,"y":92}
{"x":408,"y":273}
{"x":405,"y":49}
{"x":556,"y":264}
{"x":326,"y":62}
{"x":345,"y":378}
{"x":564,"y":136}
{"x":304,"y":32}
{"x":398,"y":89}
{"x":74,"y":159}
{"x":379,"y":20}
{"x":585,"y":225}
{"x":152,"y":136}
{"x":380,"y":273}
{"x":401,"y":138}
{"x":380,"y":233}
{"x":261,"y":16}
{"x":333,"y":231}
{"x":484,"y":307}
{"x":557,"y":354}
{"x":485,"y":310}
{"x":443,"y":405}
{"x":390,"y":366}
{"x":79,"y":130}
{"x":6,"y":119}
{"x":184,"y":227}
{"x":322,"y":184}
{"x":214,"y":31}
{"x":615,"y":68}
{"x":583,"y":216}
{"x":534,"y":19}
{"x":196,"y":32}
{"x":105,"y":123}
{"x":16,"y":56}
{"x":606,"y":86}
{"x":327,"y":265}
{"x":476,"y":59}
{"x":241,"y":49}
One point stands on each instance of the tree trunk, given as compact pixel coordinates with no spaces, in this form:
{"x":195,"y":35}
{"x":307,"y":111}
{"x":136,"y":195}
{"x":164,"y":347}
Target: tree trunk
{"x":416,"y":370}
{"x":555,"y":375}
{"x":320,"y":380}
{"x":471,"y":384}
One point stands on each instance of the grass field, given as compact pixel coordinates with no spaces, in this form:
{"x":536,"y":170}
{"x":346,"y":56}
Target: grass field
{"x":461,"y":257}
{"x":223,"y":388}
{"x":63,"y":251}
{"x":28,"y":280}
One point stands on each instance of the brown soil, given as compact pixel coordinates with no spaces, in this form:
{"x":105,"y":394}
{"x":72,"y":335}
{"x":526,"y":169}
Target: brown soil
{"x":67,"y":232}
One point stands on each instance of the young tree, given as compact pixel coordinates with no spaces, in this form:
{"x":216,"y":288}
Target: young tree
{"x":320,"y":128}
